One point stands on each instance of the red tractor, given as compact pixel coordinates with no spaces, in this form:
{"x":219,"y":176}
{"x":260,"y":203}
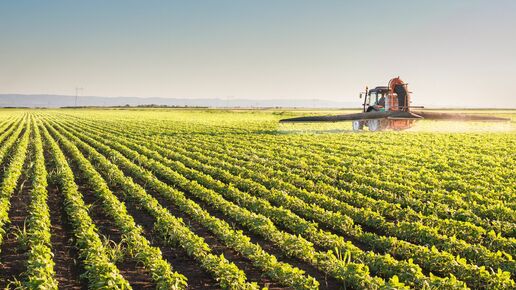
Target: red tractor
{"x":383,"y":108}
{"x":393,"y":98}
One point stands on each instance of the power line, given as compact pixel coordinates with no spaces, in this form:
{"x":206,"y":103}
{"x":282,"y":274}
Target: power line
{"x":77,"y":89}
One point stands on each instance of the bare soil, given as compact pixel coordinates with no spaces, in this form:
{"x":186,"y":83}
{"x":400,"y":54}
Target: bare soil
{"x":176,"y":256}
{"x":13,"y":255}
{"x":67,"y":265}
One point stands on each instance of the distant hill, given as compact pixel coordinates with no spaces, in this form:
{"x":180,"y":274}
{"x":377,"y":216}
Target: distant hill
{"x":56,"y":101}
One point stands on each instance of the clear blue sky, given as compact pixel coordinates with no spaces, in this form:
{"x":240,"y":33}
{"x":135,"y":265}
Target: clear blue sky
{"x":458,"y":53}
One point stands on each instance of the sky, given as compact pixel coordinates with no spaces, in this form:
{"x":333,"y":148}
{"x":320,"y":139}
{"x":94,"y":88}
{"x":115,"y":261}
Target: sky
{"x":458,"y":53}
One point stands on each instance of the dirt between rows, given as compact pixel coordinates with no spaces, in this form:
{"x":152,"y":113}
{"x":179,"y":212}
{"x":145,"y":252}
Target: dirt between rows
{"x":132,"y":271}
{"x":13,"y":255}
{"x":66,"y":258}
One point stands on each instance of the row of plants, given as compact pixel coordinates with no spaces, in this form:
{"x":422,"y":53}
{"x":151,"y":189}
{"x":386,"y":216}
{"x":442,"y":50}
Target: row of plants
{"x":99,"y":271}
{"x":7,"y":127}
{"x":380,"y":265}
{"x":320,"y":181}
{"x":40,"y":272}
{"x":18,"y":151}
{"x":10,"y":137}
{"x":462,"y":230}
{"x":194,"y":137}
{"x":413,"y":231}
{"x":344,"y":226}
{"x":489,"y":207}
{"x":471,"y":268}
{"x":455,"y":198}
{"x":352,"y":150}
{"x":362,"y":150}
{"x":136,"y":245}
{"x":461,"y":163}
{"x":484,"y":155}
{"x":350,"y":273}
{"x":281,"y":272}
{"x":347,"y":173}
{"x":427,"y":206}
{"x":280,"y":199}
{"x":175,"y":233}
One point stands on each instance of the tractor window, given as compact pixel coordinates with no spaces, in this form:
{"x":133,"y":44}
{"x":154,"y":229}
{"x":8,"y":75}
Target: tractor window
{"x":381,"y":101}
{"x":373,"y":99}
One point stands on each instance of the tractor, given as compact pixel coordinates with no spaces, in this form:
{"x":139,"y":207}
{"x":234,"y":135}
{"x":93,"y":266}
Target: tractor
{"x":384,"y":107}
{"x":395,"y":97}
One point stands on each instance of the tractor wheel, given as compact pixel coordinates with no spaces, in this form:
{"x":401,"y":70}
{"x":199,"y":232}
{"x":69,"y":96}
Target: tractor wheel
{"x":374,"y":125}
{"x":358,"y":125}
{"x":384,"y":124}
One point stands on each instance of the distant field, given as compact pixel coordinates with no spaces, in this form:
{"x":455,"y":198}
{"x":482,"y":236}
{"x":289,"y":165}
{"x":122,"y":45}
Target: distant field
{"x":211,"y":199}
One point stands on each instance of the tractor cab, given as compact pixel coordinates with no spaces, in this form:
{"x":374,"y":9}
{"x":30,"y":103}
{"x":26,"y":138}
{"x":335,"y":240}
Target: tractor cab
{"x":374,"y":99}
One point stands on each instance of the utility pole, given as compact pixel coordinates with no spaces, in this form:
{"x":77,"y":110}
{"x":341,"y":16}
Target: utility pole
{"x":77,"y":89}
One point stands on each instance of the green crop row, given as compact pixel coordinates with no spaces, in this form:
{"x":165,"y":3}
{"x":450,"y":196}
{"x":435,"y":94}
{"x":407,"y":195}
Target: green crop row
{"x":13,"y":170}
{"x":350,"y":273}
{"x":138,"y":247}
{"x":362,"y":190}
{"x":491,"y":208}
{"x":175,"y":232}
{"x":40,"y":264}
{"x":282,"y":272}
{"x":457,"y":269}
{"x":382,"y":265}
{"x":463,"y":230}
{"x":352,"y":177}
{"x":100,"y":272}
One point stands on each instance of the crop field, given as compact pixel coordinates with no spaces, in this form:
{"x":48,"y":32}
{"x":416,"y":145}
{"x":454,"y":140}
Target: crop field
{"x":214,"y":199}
